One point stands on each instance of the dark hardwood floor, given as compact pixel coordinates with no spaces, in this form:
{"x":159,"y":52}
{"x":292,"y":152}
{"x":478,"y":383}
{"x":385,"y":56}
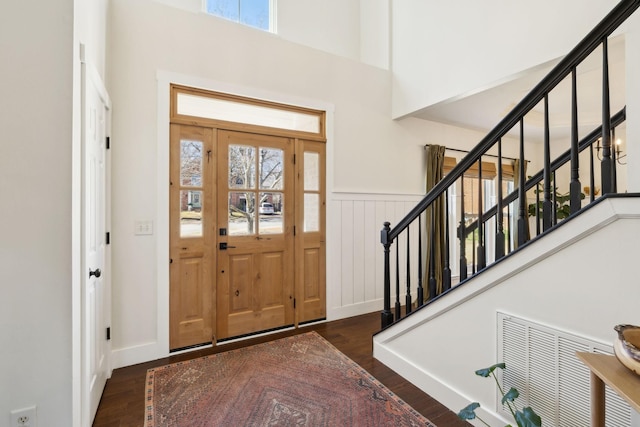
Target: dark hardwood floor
{"x":122,"y":402}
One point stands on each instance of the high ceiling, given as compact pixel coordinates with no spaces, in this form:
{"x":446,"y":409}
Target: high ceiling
{"x":483,"y":109}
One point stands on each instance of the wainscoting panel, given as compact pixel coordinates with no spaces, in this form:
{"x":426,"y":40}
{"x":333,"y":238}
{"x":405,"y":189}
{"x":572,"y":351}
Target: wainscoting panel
{"x":355,"y":254}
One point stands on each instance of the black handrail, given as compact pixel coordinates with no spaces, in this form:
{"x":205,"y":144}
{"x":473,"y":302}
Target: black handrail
{"x":608,"y":25}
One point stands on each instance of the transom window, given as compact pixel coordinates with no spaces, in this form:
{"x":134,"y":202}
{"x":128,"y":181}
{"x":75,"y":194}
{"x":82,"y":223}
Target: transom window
{"x":254,"y":13}
{"x":294,"y":121}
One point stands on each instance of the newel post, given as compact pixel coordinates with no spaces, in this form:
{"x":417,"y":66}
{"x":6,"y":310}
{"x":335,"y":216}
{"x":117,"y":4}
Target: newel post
{"x":387,"y":315}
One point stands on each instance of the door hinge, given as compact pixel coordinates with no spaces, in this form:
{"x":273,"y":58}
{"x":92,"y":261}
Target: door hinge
{"x":294,"y":303}
{"x":108,"y":142}
{"x":170,"y":260}
{"x":294,"y":159}
{"x":108,"y":238}
{"x":294,"y":230}
{"x":108,"y":333}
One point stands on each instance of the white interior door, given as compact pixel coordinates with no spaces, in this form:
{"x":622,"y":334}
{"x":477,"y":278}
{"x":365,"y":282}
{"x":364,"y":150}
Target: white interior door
{"x":95,"y":286}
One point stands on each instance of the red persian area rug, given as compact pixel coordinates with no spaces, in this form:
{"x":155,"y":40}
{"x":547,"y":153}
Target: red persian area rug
{"x":296,"y":381}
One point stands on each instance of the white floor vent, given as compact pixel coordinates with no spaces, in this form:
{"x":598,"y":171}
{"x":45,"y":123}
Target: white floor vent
{"x":542,"y":365}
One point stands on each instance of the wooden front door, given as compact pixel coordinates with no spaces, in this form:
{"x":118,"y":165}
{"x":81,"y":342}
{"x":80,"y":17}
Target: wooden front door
{"x":255,"y":231}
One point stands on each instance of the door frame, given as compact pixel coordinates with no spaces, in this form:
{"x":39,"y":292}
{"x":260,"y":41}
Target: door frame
{"x":160,"y":348}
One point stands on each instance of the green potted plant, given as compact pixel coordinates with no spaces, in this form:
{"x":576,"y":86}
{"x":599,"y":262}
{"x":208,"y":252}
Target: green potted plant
{"x":562,"y":202}
{"x":525,"y":418}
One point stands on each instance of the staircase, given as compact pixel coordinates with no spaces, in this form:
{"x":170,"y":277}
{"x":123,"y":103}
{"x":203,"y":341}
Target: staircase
{"x":536,"y":254}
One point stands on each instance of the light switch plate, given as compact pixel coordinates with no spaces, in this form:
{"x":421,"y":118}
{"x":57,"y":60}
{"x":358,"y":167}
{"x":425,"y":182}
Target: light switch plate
{"x":143,"y":227}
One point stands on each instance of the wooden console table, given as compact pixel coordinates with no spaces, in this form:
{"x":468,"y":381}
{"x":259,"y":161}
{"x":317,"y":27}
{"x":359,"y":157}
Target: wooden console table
{"x":606,"y":369}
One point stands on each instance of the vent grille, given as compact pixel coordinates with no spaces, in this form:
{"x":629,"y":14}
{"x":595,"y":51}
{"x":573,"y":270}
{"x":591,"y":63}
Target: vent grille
{"x":542,"y":365}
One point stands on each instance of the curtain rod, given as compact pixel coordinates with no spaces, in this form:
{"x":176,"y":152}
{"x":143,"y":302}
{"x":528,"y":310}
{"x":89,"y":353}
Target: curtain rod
{"x":466,"y":152}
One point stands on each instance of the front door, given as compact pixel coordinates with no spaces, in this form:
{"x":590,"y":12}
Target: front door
{"x":255,"y":232}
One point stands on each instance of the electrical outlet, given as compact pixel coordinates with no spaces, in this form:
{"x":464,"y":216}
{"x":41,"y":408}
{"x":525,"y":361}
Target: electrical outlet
{"x":25,"y":417}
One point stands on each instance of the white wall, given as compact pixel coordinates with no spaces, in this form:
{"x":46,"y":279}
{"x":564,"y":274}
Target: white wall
{"x":632,"y":45}
{"x":558,"y":281}
{"x":330,"y":25}
{"x":36,"y":47}
{"x":375,"y":34}
{"x":446,"y":49}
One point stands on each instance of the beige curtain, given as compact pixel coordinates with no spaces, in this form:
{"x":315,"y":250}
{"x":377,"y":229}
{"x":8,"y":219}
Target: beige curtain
{"x":517,"y":180}
{"x":434,"y":235}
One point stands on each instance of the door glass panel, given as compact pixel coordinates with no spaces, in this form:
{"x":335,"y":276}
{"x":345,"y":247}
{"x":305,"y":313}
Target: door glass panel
{"x":271,"y":212}
{"x":311,"y":212}
{"x":271,"y":170}
{"x":191,"y":163}
{"x":241,"y":213}
{"x":242,"y":166}
{"x":190,"y":213}
{"x":311,"y":171}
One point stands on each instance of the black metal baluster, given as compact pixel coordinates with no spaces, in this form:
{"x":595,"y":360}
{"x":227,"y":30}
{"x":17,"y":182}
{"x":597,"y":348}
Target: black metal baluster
{"x":387,"y":316}
{"x":606,"y":164}
{"x":499,"y":213}
{"x":538,"y":208}
{"x":575,"y":188}
{"x":432,"y":253}
{"x":522,"y":202}
{"x":554,"y":199}
{"x":462,"y":234}
{"x":446,"y":272}
{"x":408,"y":296}
{"x":474,"y":253}
{"x":509,"y":224}
{"x":546,"y":203}
{"x":614,"y":153}
{"x":420,"y":261}
{"x":482,"y":262}
{"x":398,"y":310}
{"x":592,"y":179}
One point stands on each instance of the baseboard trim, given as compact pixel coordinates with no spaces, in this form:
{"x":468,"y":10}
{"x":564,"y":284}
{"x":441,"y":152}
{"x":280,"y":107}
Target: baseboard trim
{"x":128,"y":356}
{"x":337,"y":313}
{"x":432,"y":385}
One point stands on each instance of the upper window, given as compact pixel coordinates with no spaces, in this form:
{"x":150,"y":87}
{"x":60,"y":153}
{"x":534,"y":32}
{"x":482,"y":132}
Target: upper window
{"x":254,"y":13}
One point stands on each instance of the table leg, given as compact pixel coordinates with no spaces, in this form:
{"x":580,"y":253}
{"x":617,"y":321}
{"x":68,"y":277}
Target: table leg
{"x":597,"y":401}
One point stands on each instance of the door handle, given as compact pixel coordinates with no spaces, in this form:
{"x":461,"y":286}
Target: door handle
{"x":95,"y":272}
{"x":224,"y":246}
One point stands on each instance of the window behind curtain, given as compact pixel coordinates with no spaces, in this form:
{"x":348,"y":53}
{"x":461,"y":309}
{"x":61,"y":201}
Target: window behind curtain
{"x":489,"y":196}
{"x":254,"y":13}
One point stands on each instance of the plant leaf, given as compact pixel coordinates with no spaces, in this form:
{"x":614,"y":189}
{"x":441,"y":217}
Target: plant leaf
{"x":528,"y":418}
{"x":468,"y":413}
{"x":510,"y":396}
{"x":487,"y":371}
